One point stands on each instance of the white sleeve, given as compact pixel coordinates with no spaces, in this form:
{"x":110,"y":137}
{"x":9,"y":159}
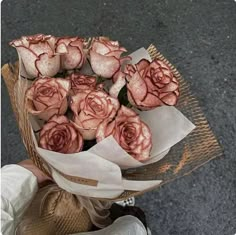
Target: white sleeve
{"x":18,"y":187}
{"x":125,"y":225}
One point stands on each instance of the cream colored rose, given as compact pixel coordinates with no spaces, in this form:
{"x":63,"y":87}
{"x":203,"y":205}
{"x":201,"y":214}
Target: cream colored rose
{"x":38,"y":55}
{"x":71,"y":51}
{"x":105,"y":57}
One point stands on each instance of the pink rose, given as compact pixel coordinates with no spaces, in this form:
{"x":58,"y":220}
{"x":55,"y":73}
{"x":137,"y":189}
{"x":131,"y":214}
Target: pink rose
{"x":72,"y":53}
{"x":80,"y":82}
{"x":129,"y":131}
{"x":90,"y":108}
{"x":38,"y":54}
{"x":47,"y":97}
{"x":149,"y":84}
{"x":60,"y":135}
{"x":105,"y":57}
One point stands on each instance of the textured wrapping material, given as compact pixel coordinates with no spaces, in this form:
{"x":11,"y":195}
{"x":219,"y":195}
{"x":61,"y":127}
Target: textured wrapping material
{"x":196,"y":149}
{"x":54,"y":211}
{"x":75,"y":173}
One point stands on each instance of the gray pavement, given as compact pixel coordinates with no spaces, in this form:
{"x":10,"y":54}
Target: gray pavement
{"x":199,"y":37}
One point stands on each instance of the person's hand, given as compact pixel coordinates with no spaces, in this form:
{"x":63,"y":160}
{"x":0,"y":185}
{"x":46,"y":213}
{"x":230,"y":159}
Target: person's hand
{"x":29,"y":165}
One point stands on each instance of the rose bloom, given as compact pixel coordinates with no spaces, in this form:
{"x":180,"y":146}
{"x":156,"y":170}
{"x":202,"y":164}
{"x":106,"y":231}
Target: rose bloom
{"x":130,"y":132}
{"x":90,"y":108}
{"x":105,"y":57}
{"x":47,"y":97}
{"x":72,"y":53}
{"x":80,"y":82}
{"x":38,"y":55}
{"x":60,"y":135}
{"x":149,"y":84}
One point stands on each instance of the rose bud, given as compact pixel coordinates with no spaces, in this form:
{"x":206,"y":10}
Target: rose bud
{"x":72,"y":53}
{"x":60,"y":135}
{"x":129,"y":131}
{"x":151,"y":84}
{"x":80,"y":82}
{"x":105,"y":57}
{"x":47,"y":97}
{"x":37,"y":54}
{"x":90,"y":108}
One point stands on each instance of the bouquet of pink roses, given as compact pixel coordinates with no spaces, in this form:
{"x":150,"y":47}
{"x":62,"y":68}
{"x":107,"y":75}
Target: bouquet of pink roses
{"x":94,"y":112}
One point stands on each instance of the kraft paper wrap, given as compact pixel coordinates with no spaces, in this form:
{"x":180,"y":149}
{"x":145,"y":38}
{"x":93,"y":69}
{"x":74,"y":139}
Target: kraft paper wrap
{"x":196,"y":149}
{"x":75,"y":172}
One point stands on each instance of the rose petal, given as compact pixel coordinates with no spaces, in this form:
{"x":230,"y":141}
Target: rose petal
{"x":88,"y":134}
{"x":50,"y":101}
{"x":89,"y":122}
{"x":64,"y":83}
{"x":172,"y":86}
{"x":63,"y":107}
{"x":76,"y":100}
{"x":39,"y":106}
{"x":144,"y":155}
{"x":59,"y":119}
{"x":137,"y":88}
{"x":117,"y":86}
{"x":142,"y":64}
{"x":82,"y":82}
{"x":40,"y":48}
{"x":47,"y":114}
{"x":17,"y":42}
{"x":100,"y":47}
{"x":100,"y":133}
{"x":116,"y":53}
{"x":47,"y":127}
{"x":47,"y":66}
{"x":73,"y":59}
{"x":117,"y":75}
{"x":28,"y":58}
{"x":146,"y":132}
{"x":126,"y":111}
{"x":115,"y":103}
{"x":151,"y":101}
{"x":129,"y":70}
{"x":68,"y":138}
{"x":169,"y":99}
{"x":61,"y":48}
{"x":105,"y":66}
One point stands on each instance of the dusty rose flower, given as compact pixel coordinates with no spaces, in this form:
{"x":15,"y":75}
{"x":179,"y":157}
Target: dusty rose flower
{"x":90,"y":108}
{"x":105,"y":57}
{"x":149,"y":84}
{"x":47,"y":97}
{"x":60,"y":135}
{"x":38,"y":54}
{"x":80,"y":82}
{"x":72,"y":53}
{"x":130,"y":132}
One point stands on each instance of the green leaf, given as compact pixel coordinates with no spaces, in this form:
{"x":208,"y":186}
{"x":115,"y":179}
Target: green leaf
{"x":62,"y":74}
{"x":100,"y":79}
{"x":122,"y":96}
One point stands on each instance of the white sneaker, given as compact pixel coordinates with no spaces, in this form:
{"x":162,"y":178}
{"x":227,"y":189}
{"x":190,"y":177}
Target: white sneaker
{"x":128,"y":202}
{"x":149,"y":231}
